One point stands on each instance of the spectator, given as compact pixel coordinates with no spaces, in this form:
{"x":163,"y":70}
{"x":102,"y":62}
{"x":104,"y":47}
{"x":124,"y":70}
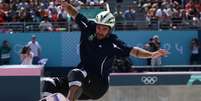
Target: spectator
{"x":159,"y":15}
{"x":36,"y":15}
{"x":188,"y":8}
{"x":35,"y":48}
{"x":54,"y":16}
{"x":192,"y":8}
{"x":150,"y":16}
{"x":159,"y":12}
{"x":118,"y":13}
{"x":195,"y":51}
{"x":26,"y":56}
{"x":119,"y":17}
{"x":129,"y":14}
{"x":5,"y":54}
{"x":24,"y":15}
{"x":169,"y":12}
{"x":149,"y":46}
{"x":145,"y":6}
{"x":2,"y":14}
{"x":156,"y":47}
{"x":62,"y":16}
{"x":45,"y":25}
{"x":44,"y":13}
{"x":196,"y":22}
{"x":94,"y":2}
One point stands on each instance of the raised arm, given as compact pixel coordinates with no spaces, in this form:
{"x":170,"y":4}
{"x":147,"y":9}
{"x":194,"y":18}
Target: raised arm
{"x":141,"y":53}
{"x":72,"y":11}
{"x":79,"y":19}
{"x":122,"y":49}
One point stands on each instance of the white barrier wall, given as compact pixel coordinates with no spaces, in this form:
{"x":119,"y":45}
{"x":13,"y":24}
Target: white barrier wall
{"x":20,"y":82}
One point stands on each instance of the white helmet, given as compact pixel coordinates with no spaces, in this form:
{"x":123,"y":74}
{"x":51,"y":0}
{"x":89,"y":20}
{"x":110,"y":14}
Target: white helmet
{"x":105,"y":18}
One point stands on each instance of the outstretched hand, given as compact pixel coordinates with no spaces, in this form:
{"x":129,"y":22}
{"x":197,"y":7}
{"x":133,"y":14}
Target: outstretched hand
{"x":72,"y":11}
{"x":160,"y":53}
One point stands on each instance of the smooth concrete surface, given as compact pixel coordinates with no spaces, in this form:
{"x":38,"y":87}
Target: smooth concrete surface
{"x":152,"y":93}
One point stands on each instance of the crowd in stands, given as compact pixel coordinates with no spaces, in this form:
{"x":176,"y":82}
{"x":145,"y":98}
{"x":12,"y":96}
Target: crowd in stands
{"x":165,"y":12}
{"x":35,"y":10}
{"x":168,"y":13}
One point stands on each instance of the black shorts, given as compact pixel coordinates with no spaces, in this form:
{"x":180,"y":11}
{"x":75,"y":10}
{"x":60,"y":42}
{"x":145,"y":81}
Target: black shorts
{"x":93,"y":87}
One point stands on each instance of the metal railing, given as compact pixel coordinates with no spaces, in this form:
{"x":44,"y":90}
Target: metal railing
{"x":158,"y":25}
{"x":124,"y":25}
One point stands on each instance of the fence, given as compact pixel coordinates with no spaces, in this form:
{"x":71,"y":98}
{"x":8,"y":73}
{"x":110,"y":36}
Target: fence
{"x":12,"y":27}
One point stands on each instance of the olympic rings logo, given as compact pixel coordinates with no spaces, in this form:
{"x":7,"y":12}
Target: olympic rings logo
{"x":149,"y":80}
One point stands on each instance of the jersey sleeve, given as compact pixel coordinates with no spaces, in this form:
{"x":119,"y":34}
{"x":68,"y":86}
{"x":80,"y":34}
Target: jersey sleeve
{"x":121,"y":49}
{"x":83,"y":22}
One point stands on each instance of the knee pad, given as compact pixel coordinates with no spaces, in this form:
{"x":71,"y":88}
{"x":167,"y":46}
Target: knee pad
{"x":76,"y":76}
{"x":48,"y":86}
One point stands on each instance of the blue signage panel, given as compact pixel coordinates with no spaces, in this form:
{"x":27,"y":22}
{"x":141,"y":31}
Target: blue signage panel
{"x":62,"y":48}
{"x":155,"y":79}
{"x":176,"y":42}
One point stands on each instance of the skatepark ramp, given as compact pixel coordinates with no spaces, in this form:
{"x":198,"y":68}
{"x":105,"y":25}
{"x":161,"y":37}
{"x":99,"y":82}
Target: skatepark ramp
{"x":154,"y":86}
